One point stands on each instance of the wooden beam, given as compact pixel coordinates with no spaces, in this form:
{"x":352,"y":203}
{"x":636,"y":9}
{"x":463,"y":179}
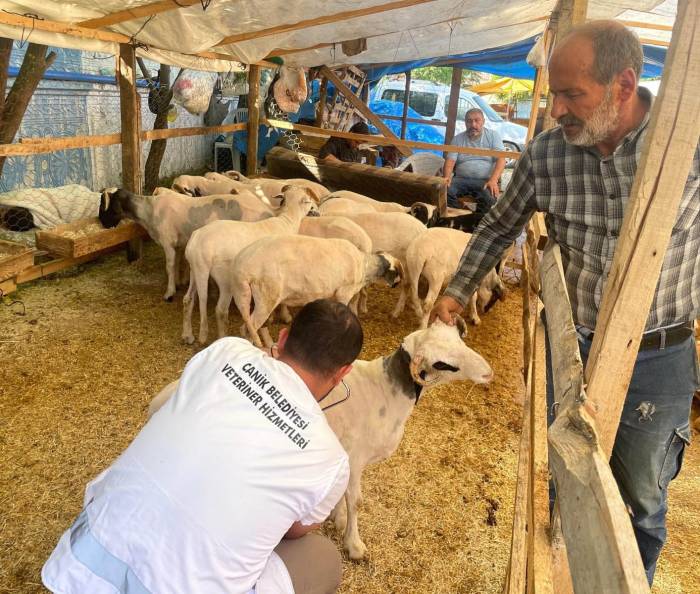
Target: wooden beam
{"x":130,"y":107}
{"x":540,"y":82}
{"x":196,"y":131}
{"x":362,"y":108}
{"x":136,"y":12}
{"x":406,"y":98}
{"x":35,"y":146}
{"x":643,"y":25}
{"x":41,"y":270}
{"x":385,"y":140}
{"x":455,"y":87}
{"x":659,"y":42}
{"x":385,"y":116}
{"x":322,"y":100}
{"x":650,"y":213}
{"x":324,"y":20}
{"x":602,"y":550}
{"x":253,"y":119}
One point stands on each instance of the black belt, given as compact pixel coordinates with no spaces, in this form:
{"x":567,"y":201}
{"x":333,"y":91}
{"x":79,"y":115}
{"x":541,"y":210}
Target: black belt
{"x":657,"y":339}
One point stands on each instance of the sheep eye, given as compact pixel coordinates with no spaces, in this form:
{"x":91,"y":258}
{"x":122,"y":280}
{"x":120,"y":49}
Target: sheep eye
{"x":442,"y":366}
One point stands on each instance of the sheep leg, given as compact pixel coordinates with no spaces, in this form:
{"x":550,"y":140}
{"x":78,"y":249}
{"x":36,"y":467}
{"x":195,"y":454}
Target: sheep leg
{"x":473,"y":314}
{"x":222,"y":308}
{"x":170,"y":268}
{"x":339,"y":516}
{"x":401,"y":303}
{"x":283,"y":314}
{"x":187,"y":307}
{"x":353,"y":305}
{"x":266,"y":337}
{"x":352,"y":542}
{"x":202,"y":287}
{"x":362,"y":302}
{"x":434,"y":286}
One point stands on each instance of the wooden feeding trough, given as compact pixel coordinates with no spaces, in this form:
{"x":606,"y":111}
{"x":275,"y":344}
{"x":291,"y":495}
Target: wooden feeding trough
{"x":86,"y":236}
{"x":14,"y":258}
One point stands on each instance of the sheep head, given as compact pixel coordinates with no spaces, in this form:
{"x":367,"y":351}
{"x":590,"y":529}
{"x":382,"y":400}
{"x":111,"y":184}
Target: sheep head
{"x":111,"y":211}
{"x":438,"y":355}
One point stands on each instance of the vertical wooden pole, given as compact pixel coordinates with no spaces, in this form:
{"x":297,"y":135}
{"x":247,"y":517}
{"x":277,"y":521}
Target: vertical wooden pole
{"x":540,"y":82}
{"x":455,"y":87}
{"x":322,"y":98}
{"x":253,"y":119}
{"x":406,"y":98}
{"x":130,"y":106}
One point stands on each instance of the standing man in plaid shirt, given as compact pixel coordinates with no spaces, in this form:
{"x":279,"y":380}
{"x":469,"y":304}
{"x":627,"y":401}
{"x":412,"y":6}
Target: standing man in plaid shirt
{"x":580,"y":175}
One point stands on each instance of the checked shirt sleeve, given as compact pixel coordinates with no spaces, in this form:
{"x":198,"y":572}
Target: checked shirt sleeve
{"x":499,"y":228}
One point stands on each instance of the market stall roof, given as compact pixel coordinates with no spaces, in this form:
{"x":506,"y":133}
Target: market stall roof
{"x":503,"y":85}
{"x":209,"y":34}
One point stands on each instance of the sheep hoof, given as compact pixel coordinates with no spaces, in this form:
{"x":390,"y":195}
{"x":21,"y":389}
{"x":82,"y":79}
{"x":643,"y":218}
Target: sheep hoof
{"x":356,"y":551}
{"x":167,"y":298}
{"x":188,"y":339}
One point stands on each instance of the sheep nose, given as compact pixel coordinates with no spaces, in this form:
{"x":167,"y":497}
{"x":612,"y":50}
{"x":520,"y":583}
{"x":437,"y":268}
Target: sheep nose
{"x":487,"y":377}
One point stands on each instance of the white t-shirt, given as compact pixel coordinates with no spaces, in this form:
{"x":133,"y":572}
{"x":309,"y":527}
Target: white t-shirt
{"x":476,"y":166}
{"x":210,"y":485}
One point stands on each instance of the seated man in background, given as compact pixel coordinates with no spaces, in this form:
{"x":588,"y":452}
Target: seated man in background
{"x":474,"y":175}
{"x":343,"y":149}
{"x":218,"y":491}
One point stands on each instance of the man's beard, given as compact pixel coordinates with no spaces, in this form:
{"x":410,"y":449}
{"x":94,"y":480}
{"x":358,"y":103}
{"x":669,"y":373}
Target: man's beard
{"x":473,"y":132}
{"x":597,"y":127}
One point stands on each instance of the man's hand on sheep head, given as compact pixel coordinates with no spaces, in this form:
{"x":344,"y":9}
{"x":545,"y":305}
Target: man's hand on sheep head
{"x":445,"y":308}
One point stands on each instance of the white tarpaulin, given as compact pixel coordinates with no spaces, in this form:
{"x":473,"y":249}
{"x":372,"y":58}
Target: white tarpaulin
{"x":422,"y":30}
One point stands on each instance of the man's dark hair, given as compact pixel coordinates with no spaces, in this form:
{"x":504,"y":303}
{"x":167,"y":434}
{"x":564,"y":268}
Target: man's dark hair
{"x":360,"y":128}
{"x":324,"y":336}
{"x":615,"y":46}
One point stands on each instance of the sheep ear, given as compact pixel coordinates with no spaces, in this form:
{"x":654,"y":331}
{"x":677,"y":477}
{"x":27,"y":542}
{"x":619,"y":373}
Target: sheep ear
{"x":234,"y":191}
{"x":287,"y":187}
{"x":461,"y":326}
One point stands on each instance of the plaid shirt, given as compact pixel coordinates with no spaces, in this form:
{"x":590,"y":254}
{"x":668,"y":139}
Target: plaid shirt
{"x":583,"y":196}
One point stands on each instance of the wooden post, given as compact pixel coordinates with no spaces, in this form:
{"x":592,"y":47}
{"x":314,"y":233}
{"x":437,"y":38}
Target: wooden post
{"x":406,"y":97}
{"x":322,"y":98}
{"x":361,"y":107}
{"x":601,"y":546}
{"x":455,"y":87}
{"x":671,"y":141}
{"x":253,"y":119}
{"x":130,"y":106}
{"x":540,"y":82}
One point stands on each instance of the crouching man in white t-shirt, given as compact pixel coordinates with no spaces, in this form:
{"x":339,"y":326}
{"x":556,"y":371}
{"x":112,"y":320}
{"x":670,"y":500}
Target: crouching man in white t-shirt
{"x":218,"y":491}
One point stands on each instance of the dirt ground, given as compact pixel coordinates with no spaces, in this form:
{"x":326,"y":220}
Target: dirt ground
{"x":96,"y":343}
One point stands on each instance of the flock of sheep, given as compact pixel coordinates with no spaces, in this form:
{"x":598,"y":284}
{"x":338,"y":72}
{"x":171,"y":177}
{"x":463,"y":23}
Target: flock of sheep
{"x":273,"y":244}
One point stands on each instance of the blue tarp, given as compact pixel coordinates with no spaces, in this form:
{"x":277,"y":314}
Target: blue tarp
{"x":508,"y":60}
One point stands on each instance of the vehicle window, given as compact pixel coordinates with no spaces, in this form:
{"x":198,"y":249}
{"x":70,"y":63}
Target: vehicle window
{"x":424,"y":103}
{"x":462,"y":107}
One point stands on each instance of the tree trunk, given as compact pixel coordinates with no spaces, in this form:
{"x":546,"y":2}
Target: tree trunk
{"x":157,"y":149}
{"x":35,"y":63}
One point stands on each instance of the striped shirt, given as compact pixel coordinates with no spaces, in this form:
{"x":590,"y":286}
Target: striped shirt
{"x":583,"y":196}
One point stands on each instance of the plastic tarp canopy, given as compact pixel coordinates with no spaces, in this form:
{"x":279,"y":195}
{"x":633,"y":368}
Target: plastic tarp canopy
{"x":505,"y":61}
{"x":250,"y":31}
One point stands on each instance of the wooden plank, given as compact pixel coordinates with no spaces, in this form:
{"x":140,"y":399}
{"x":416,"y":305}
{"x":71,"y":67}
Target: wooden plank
{"x":253,"y":119}
{"x":28,"y":23}
{"x":643,"y":25}
{"x":7,"y":286}
{"x":323,"y":98}
{"x":540,"y":81}
{"x":570,"y":14}
{"x":86,"y":236}
{"x":385,"y":140}
{"x":35,"y":146}
{"x":540,"y":566}
{"x":381,"y":183}
{"x":385,"y":116}
{"x":455,"y":87}
{"x":671,"y":141}
{"x":406,"y":98}
{"x":362,"y":108}
{"x":44,"y":269}
{"x":323,"y":20}
{"x":659,"y":42}
{"x":137,"y":12}
{"x":14,"y":257}
{"x":196,"y":131}
{"x":602,"y":550}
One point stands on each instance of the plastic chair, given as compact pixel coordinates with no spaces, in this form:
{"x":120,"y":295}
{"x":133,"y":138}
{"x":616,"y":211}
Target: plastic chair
{"x":423,"y":163}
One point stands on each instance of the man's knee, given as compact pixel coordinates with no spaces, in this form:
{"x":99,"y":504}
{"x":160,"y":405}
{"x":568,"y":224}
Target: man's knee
{"x":313,"y":562}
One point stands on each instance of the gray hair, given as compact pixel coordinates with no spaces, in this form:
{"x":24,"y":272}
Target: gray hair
{"x":474,"y":110}
{"x":615,"y":48}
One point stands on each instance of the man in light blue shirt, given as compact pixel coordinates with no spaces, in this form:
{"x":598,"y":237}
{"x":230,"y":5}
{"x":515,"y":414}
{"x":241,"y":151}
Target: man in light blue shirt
{"x":473,"y":174}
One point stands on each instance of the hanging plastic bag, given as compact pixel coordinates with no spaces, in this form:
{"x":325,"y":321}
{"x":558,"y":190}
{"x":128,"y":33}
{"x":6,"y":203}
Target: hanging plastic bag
{"x":193,"y":90}
{"x":537,"y":57}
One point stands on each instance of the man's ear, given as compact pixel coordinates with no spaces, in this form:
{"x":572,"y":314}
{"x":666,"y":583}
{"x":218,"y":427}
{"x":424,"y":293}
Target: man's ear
{"x":282,"y":339}
{"x":627,"y":80}
{"x":341,"y":373}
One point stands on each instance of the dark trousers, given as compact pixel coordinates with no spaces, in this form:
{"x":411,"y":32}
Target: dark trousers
{"x":653,"y":433}
{"x":470,"y":186}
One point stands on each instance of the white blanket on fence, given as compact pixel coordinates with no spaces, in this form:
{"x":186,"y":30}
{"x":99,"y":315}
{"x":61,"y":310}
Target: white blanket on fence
{"x":55,"y":206}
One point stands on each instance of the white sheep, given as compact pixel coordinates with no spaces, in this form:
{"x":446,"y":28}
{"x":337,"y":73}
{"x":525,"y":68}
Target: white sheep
{"x":213,"y":248}
{"x":295,"y":270}
{"x":197,"y":185}
{"x":170,"y":218}
{"x":433,"y":257}
{"x":377,"y":205}
{"x":392,"y":233}
{"x":269,"y":188}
